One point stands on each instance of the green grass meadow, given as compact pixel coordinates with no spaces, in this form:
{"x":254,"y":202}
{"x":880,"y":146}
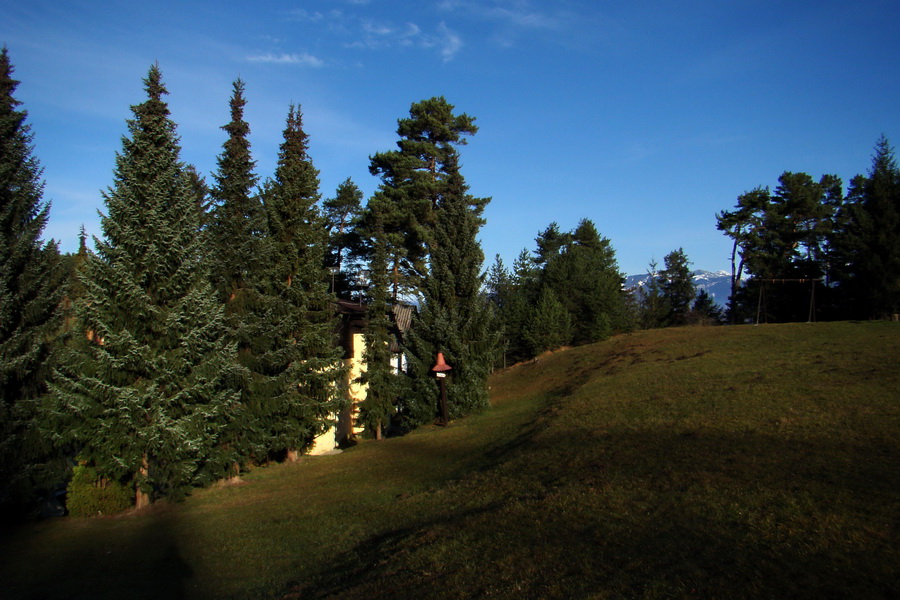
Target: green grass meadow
{"x":726,"y":462}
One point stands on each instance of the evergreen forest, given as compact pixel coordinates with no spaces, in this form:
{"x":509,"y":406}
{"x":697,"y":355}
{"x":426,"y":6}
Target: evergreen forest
{"x":198,"y":336}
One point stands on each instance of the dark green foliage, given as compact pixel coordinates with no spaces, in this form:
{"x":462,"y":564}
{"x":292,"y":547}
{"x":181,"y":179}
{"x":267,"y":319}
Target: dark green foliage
{"x":145,"y":389}
{"x":240,"y":254}
{"x":302,"y":356}
{"x":677,"y":287}
{"x":569,"y":292}
{"x":31,"y":281}
{"x":89,"y":495}
{"x":781,"y":235}
{"x":455,"y":318}
{"x":867,"y":240}
{"x":382,"y":391}
{"x":813,"y":252}
{"x":513,"y":296}
{"x":237,"y":230}
{"x":550,"y":243}
{"x":342,"y":216}
{"x":425,"y":225}
{"x":549,"y":326}
{"x":584,"y":277}
{"x":653,"y":309}
{"x":413,"y":179}
{"x":705,"y":311}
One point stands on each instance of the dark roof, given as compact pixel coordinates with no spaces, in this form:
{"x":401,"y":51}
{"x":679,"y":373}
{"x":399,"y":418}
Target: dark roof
{"x":403,"y":314}
{"x":354,"y":316}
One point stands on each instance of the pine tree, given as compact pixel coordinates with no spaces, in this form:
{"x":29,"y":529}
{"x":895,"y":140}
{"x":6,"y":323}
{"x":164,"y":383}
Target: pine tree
{"x":304,"y":356}
{"x":342,"y":216}
{"x":238,"y":221}
{"x":146,"y":387}
{"x":550,"y":243}
{"x":550,"y":325}
{"x":780,"y":235}
{"x":413,"y":179}
{"x":30,"y":289}
{"x":704,"y":311}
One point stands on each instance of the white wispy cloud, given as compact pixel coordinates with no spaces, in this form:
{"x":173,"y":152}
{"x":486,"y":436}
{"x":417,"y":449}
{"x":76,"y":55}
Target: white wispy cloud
{"x":383,"y":34}
{"x":302,"y":59}
{"x":301,"y":14}
{"x":512,"y":15}
{"x":451,"y":43}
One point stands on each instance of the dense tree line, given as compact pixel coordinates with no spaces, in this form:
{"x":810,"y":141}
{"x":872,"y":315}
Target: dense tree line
{"x":569,"y":290}
{"x":806,"y":250}
{"x":199,"y":336}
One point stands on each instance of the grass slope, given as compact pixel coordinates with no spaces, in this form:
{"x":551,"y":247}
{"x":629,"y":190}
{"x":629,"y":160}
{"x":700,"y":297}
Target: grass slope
{"x":734,"y":462}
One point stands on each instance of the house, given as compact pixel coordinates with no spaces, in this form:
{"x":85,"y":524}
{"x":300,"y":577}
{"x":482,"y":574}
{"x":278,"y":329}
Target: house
{"x":354,"y":316}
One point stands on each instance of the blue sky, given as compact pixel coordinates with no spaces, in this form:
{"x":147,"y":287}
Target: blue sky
{"x":645,"y":117}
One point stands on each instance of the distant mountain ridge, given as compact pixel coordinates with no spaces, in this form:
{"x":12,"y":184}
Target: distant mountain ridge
{"x":716,"y":283}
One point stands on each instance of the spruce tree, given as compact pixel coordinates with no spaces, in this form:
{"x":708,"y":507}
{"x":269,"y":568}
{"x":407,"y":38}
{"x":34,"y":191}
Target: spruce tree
{"x":30,"y":289}
{"x":868,"y":251}
{"x":677,"y":287}
{"x":304,"y":356}
{"x":585,"y":278}
{"x":704,"y":311}
{"x":456,"y":317}
{"x":382,"y":386}
{"x":237,"y":233}
{"x":550,"y":325}
{"x":653,"y":305}
{"x":147,"y":386}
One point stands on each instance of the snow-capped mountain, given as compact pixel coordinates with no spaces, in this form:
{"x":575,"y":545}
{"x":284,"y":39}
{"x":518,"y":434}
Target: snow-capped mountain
{"x":716,"y":283}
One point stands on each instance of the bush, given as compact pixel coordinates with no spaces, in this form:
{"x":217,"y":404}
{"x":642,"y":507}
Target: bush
{"x":88,"y":494}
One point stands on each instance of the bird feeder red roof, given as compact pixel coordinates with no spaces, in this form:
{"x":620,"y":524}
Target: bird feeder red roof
{"x":441,"y":364}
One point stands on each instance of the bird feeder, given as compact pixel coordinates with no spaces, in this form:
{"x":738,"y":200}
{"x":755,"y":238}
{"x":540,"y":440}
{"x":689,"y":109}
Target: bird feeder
{"x":440,"y":370}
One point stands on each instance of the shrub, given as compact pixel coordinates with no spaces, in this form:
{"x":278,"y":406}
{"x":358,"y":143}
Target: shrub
{"x":88,"y":494}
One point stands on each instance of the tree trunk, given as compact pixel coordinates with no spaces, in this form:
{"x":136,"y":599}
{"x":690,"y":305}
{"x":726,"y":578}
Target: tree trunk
{"x":141,"y":498}
{"x":236,"y":473}
{"x":396,"y":281}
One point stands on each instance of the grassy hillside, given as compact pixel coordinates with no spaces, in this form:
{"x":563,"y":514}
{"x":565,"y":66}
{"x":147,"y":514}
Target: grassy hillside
{"x":753,"y":462}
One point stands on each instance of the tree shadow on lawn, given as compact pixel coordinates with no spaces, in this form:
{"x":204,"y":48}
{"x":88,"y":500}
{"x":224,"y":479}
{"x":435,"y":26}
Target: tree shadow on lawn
{"x":133,"y":555}
{"x":646,"y":514}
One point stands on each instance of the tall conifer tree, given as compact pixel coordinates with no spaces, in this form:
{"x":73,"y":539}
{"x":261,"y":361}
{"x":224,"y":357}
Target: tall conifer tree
{"x":342,"y":218}
{"x":237,"y":229}
{"x":414,"y":178}
{"x":304,"y":358}
{"x":456,"y":317}
{"x":868,"y":248}
{"x":30,"y":289}
{"x":382,"y":386}
{"x":677,"y":286}
{"x":147,"y":389}
{"x":584,"y":276}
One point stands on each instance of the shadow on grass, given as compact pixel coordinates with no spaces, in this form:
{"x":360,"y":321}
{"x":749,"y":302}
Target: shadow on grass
{"x":646,"y":514}
{"x":112,"y":560}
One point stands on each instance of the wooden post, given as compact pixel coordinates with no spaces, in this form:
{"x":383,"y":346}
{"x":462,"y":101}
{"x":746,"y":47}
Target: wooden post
{"x":445,"y":415}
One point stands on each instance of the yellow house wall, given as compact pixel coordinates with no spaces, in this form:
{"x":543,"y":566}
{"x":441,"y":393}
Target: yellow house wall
{"x":345,"y":423}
